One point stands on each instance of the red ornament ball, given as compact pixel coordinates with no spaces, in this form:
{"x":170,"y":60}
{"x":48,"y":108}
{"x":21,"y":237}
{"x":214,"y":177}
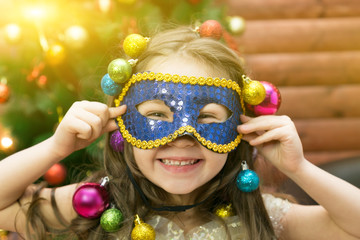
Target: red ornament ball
{"x":56,"y":174}
{"x":4,"y":92}
{"x":212,"y":29}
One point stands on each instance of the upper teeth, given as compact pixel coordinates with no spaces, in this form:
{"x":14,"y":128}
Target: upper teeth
{"x":177,"y":163}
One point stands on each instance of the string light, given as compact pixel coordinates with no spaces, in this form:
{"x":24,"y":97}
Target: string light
{"x":6,"y":142}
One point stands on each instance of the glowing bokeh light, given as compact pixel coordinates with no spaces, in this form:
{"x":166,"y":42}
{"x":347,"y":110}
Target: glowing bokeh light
{"x":104,"y":5}
{"x":12,"y":32}
{"x":6,"y":142}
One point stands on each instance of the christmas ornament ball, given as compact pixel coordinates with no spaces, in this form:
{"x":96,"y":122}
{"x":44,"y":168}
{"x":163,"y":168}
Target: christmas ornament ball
{"x":134,"y":45}
{"x":271,"y":103}
{"x":119,"y":70}
{"x":117,"y":141}
{"x":224,"y":211}
{"x":247,"y":180}
{"x":56,"y":175}
{"x":143,"y":231}
{"x":90,"y":200}
{"x":212,"y":29}
{"x":110,"y":87}
{"x":111,"y":220}
{"x":4,"y":92}
{"x":253,"y":92}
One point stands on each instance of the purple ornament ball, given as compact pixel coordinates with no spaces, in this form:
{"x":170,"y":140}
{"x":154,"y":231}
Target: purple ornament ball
{"x":271,"y":103}
{"x":90,"y":200}
{"x":117,"y":141}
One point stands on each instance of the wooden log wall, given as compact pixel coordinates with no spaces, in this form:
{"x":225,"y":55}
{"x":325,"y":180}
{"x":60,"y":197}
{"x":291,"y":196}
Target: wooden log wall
{"x":310,"y":49}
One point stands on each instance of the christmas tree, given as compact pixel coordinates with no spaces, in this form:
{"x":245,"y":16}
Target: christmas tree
{"x":55,"y":52}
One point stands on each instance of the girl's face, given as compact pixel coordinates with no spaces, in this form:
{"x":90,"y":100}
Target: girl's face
{"x":184,"y":165}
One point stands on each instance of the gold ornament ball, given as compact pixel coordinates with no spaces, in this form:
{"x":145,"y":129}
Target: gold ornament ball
{"x":236,"y":25}
{"x":143,"y":231}
{"x":76,"y":36}
{"x":12,"y":33}
{"x":254,"y":92}
{"x":224,"y":211}
{"x":134,"y":45}
{"x":56,"y":54}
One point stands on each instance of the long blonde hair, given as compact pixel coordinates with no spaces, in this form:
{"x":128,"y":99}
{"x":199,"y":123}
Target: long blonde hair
{"x":221,"y":189}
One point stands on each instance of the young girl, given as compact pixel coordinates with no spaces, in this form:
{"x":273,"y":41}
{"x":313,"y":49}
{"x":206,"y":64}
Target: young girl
{"x":178,"y":179}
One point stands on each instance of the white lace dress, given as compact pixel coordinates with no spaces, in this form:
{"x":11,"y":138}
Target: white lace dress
{"x":168,"y":230}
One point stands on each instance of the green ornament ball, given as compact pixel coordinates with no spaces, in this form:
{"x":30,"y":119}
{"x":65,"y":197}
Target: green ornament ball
{"x":119,"y":70}
{"x":111,"y":220}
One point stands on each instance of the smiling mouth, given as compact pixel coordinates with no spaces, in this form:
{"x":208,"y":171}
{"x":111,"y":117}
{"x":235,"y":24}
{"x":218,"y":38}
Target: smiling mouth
{"x":169,"y":162}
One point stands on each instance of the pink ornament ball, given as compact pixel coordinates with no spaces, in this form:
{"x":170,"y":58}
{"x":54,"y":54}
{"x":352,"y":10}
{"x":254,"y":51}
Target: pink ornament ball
{"x":90,"y":200}
{"x":271,"y":103}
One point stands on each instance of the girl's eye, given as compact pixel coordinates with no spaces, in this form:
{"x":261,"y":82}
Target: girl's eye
{"x":156,"y":110}
{"x":157,"y":115}
{"x":213,"y":113}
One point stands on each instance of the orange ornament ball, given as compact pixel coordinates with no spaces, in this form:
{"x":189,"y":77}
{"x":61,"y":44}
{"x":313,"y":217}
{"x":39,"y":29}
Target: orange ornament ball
{"x":56,"y":174}
{"x":211,"y":29}
{"x":4,"y":93}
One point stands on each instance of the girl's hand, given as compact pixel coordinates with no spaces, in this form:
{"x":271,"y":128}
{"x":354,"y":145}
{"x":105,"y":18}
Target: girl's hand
{"x":83,"y":123}
{"x":276,"y":139}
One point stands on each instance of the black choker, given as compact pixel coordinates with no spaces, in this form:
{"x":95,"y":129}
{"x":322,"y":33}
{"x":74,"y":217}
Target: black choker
{"x":180,"y":208}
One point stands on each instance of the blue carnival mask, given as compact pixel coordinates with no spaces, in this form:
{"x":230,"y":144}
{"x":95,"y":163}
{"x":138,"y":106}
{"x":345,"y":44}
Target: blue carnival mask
{"x":185,"y":96}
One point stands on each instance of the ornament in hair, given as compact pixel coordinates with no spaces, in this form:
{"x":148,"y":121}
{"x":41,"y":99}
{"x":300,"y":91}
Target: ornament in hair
{"x":247,"y":180}
{"x":262,"y":98}
{"x":91,"y":199}
{"x":142,"y":231}
{"x":224,"y":211}
{"x":117,"y":141}
{"x":120,"y":70}
{"x":111,"y":219}
{"x":211,"y":29}
{"x":271,"y":103}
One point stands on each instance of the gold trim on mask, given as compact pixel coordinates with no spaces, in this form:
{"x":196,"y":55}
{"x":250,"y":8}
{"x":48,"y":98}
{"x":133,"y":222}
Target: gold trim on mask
{"x":220,"y":148}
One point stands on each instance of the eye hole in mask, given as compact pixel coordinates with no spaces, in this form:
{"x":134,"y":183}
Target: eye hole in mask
{"x":214,"y":113}
{"x":158,"y":110}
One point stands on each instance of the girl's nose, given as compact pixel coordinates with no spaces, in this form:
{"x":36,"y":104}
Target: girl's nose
{"x":183,"y":142}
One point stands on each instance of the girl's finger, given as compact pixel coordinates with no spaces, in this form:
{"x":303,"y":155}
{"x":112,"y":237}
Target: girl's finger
{"x":83,"y":130}
{"x":249,"y":137}
{"x":93,"y":120}
{"x":110,"y":126}
{"x":264,"y":123}
{"x":273,"y":135}
{"x":117,"y":111}
{"x":97,"y":108}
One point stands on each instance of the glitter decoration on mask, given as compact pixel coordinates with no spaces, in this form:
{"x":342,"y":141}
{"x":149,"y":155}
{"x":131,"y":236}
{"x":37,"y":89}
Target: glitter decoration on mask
{"x":185,"y":96}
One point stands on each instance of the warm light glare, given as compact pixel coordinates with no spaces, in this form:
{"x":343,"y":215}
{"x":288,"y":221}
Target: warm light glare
{"x":6,"y":142}
{"x":13,"y":32}
{"x":35,"y":12}
{"x":104,"y":5}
